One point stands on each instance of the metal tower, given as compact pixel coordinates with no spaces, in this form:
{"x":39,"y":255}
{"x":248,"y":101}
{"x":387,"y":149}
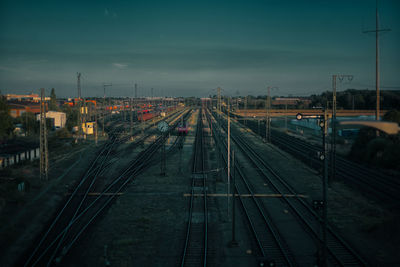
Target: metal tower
{"x":44,"y":153}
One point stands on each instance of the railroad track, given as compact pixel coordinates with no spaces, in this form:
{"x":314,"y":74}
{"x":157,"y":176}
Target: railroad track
{"x":271,"y":245}
{"x":339,"y":252}
{"x":81,"y":209}
{"x":370,"y":181}
{"x":195,"y":248}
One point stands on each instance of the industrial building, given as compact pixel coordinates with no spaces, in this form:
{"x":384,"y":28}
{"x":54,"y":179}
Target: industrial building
{"x":59,"y":118}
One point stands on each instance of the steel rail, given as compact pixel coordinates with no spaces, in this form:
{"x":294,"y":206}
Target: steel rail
{"x":264,"y":231}
{"x":62,"y":233}
{"x":189,"y":253}
{"x":343,"y":258}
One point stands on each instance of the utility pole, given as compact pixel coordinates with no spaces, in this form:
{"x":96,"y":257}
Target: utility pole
{"x":333,"y":139}
{"x":131,"y":116}
{"x":151,"y":100}
{"x":219,"y":100}
{"x":268,"y":119}
{"x":286,"y":115}
{"x":229,"y":152}
{"x":233,"y":242}
{"x":95,"y":122}
{"x":376,"y":31}
{"x":245,"y":110}
{"x":325,"y":188}
{"x":104,"y":103}
{"x":44,"y":153}
{"x":135,"y":90}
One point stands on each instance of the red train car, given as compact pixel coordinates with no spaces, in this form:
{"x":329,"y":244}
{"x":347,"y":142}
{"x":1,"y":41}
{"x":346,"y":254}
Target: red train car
{"x":145,"y":114}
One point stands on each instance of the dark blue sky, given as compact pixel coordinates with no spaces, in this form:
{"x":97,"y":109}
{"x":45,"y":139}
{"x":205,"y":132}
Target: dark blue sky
{"x":191,"y":47}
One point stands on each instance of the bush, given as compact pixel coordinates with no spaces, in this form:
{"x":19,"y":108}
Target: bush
{"x":63,"y":133}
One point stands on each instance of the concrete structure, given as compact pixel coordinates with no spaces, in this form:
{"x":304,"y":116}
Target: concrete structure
{"x":16,"y":157}
{"x":59,"y":118}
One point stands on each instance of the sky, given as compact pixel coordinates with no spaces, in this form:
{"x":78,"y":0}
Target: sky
{"x":189,"y":48}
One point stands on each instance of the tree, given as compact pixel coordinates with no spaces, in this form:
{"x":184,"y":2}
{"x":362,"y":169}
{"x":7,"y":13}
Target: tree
{"x":53,"y":100}
{"x":29,"y":123}
{"x":6,"y":125}
{"x":392,"y":115}
{"x":72,"y":117}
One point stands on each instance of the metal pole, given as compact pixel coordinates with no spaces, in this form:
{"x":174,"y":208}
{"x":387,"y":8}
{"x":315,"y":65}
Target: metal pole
{"x":95,"y":123}
{"x":245,"y":110}
{"x":233,"y":242}
{"x":376,"y":31}
{"x":266,"y":116}
{"x":333,"y":141}
{"x":269,"y":115}
{"x":324,"y":189}
{"x":377,"y":63}
{"x":104,"y":105}
{"x":286,"y":115}
{"x":163,"y":159}
{"x":229,"y":154}
{"x":44,"y":153}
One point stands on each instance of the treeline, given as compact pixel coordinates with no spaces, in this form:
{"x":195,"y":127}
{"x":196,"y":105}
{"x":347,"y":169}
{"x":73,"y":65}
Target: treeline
{"x":358,"y":99}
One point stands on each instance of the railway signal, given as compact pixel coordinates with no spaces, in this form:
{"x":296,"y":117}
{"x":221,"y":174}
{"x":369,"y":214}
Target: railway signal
{"x":323,"y":123}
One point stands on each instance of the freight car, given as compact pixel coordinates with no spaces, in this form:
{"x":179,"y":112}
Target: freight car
{"x":146,"y":114}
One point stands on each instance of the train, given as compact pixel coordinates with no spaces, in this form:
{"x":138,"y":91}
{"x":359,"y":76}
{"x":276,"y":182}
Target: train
{"x":183,"y":128}
{"x":146,"y":114}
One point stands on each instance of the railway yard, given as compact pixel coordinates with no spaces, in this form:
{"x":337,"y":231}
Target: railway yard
{"x":162,"y":197}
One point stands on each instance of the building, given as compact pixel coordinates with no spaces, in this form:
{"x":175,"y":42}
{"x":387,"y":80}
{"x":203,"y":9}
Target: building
{"x":31,"y":97}
{"x":17,"y":109}
{"x":59,"y":118}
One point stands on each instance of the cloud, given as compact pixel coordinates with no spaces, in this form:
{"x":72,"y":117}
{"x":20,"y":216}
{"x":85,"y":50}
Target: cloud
{"x":120,"y":65}
{"x":106,"y":12}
